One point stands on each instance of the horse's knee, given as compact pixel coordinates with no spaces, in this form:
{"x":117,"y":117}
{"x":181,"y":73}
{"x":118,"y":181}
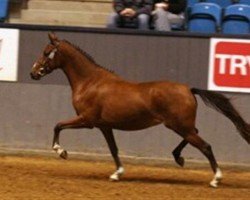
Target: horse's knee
{"x":57,"y":128}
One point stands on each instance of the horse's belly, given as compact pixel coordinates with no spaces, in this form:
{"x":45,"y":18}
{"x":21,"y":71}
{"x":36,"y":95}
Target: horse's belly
{"x":134,"y":126}
{"x":130,"y":111}
{"x":133,"y":123}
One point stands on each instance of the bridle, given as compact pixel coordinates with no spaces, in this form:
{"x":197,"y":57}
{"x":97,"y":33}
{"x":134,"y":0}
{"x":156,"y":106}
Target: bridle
{"x":45,"y":69}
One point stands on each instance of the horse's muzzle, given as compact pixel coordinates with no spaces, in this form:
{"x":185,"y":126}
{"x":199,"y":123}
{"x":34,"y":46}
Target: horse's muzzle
{"x":35,"y":76}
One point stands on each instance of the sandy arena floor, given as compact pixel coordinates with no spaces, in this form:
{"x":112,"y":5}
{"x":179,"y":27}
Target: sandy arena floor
{"x":49,"y":178}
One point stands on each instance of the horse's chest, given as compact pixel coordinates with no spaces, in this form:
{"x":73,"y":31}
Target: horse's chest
{"x":84,"y":104}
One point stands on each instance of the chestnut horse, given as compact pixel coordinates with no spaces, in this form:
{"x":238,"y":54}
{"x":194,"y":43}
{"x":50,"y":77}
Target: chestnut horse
{"x":104,"y":100}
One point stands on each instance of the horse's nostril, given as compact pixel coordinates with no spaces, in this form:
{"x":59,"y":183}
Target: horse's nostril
{"x":42,"y":70}
{"x":33,"y":76}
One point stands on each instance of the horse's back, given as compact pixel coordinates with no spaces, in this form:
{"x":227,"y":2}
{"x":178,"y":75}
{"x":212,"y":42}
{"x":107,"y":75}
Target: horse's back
{"x":160,"y":95}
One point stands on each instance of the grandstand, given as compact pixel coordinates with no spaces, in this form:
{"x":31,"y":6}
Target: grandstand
{"x":87,"y":13}
{"x":94,"y":13}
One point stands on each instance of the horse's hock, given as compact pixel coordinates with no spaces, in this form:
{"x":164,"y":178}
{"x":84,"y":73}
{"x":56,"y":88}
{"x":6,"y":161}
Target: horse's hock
{"x":86,"y":13}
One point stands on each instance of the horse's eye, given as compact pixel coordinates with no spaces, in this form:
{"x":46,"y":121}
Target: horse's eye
{"x":46,"y":54}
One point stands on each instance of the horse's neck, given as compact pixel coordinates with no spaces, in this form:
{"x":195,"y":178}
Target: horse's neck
{"x":80,"y":70}
{"x":77,"y":68}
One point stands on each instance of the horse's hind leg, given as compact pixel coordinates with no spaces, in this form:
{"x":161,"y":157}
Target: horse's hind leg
{"x":177,"y":152}
{"x":109,"y":136}
{"x":206,"y":149}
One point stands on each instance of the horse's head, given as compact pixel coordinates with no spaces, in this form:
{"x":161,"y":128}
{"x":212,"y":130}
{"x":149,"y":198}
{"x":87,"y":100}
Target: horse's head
{"x":49,"y":59}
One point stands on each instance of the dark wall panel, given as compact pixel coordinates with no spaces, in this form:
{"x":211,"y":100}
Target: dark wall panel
{"x":135,"y":57}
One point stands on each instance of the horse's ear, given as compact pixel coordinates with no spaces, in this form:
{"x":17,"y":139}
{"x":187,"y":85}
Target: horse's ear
{"x":53,"y":38}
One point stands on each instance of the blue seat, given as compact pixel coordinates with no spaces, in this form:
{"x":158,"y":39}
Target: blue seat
{"x":204,"y":18}
{"x":3,"y":10}
{"x":222,"y":3}
{"x":247,"y":2}
{"x":190,"y":3}
{"x":236,"y":19}
{"x":177,"y":27}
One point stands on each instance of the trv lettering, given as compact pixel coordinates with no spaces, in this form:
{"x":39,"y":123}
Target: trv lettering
{"x":234,"y":64}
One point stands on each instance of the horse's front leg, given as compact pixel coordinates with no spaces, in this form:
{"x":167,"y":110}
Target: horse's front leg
{"x":109,"y":136}
{"x":76,"y":122}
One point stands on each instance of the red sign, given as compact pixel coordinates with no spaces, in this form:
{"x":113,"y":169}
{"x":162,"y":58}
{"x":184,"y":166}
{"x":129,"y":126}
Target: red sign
{"x":229,"y":65}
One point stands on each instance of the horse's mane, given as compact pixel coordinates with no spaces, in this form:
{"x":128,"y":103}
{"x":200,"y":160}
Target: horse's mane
{"x":85,"y":54}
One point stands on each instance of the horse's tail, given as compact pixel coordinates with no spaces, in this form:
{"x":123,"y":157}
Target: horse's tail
{"x":223,"y":105}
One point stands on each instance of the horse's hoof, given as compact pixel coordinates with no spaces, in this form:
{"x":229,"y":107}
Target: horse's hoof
{"x":118,"y":173}
{"x":180,"y":161}
{"x":64,"y":155}
{"x":214,"y":184}
{"x":114,"y":178}
{"x":217,"y":178}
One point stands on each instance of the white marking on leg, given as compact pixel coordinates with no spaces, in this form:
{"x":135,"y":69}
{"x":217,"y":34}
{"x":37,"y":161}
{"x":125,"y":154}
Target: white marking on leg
{"x":217,"y":178}
{"x":57,"y":148}
{"x":118,"y":173}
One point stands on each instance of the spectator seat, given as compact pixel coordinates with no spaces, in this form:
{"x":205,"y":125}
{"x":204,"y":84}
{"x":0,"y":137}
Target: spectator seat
{"x":236,"y":19}
{"x":3,"y":10}
{"x":247,"y":2}
{"x":222,"y":3}
{"x":190,"y":3}
{"x":204,"y":18}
